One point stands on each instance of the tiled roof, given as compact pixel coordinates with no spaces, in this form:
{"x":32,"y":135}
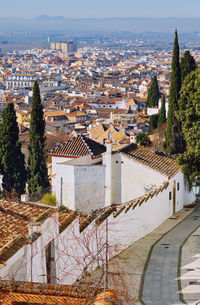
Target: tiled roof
{"x":96,"y":131}
{"x":104,"y":135}
{"x":14,"y":220}
{"x":54,"y":113}
{"x":40,"y":293}
{"x":156,"y":160}
{"x":118,"y":136}
{"x":76,"y":113}
{"x":79,"y":146}
{"x":65,"y":219}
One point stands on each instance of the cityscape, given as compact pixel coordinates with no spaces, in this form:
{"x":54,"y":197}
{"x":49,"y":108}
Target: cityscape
{"x":99,"y":153}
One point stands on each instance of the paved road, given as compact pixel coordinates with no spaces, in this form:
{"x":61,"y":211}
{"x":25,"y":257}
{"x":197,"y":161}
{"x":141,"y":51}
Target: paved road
{"x":160,"y":282}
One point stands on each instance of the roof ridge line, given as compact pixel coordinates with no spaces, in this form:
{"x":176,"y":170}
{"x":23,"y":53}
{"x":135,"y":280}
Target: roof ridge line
{"x":82,"y":137}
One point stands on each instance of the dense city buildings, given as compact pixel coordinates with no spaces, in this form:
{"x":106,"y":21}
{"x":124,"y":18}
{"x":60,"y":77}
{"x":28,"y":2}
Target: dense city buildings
{"x":66,"y":47}
{"x":108,"y":190}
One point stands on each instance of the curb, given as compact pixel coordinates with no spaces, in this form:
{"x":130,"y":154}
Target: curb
{"x":140,"y":295}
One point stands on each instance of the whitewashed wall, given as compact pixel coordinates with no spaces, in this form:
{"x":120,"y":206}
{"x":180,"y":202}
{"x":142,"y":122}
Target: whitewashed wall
{"x":89,"y":187}
{"x":152,"y":111}
{"x":63,"y":185}
{"x":77,"y":251}
{"x":15,"y":268}
{"x":29,"y":263}
{"x":56,"y":160}
{"x":70,"y":188}
{"x":135,"y":177}
{"x":80,"y":187}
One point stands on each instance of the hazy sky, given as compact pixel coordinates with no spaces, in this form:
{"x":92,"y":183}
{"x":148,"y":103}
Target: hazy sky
{"x":100,"y":8}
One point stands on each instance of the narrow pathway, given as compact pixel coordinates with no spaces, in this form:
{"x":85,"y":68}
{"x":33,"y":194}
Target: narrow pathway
{"x":160,"y":282}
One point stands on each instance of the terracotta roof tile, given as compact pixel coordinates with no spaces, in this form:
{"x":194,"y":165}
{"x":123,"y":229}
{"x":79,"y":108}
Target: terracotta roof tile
{"x":104,"y":135}
{"x":29,"y":293}
{"x":14,"y":220}
{"x":118,"y":136}
{"x":159,"y":161}
{"x":54,"y":113}
{"x":76,"y":113}
{"x":79,"y":146}
{"x":96,"y":131}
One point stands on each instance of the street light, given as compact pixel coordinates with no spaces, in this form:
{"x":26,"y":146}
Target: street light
{"x":196,"y":187}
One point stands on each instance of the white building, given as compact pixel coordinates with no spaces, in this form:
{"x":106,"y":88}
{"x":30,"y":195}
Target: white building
{"x":136,"y":188}
{"x":19,"y":80}
{"x":85,"y":177}
{"x":78,"y":175}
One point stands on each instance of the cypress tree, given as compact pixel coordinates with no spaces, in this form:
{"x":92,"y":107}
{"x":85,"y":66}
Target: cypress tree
{"x":154,"y":122}
{"x":162,"y":114}
{"x":173,"y":136}
{"x":153,"y":93}
{"x":188,"y":64}
{"x":37,"y":169}
{"x":189,"y":116}
{"x":12,"y":159}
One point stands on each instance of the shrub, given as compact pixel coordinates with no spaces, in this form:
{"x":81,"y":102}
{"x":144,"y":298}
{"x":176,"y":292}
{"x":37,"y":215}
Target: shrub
{"x":49,"y":199}
{"x":143,"y":139}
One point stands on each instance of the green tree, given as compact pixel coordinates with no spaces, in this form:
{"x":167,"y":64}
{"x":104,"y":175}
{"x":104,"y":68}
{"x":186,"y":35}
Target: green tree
{"x":12,"y":159}
{"x":143,"y":139}
{"x":162,"y":114}
{"x":189,"y":117}
{"x":153,"y":94}
{"x":188,"y":64}
{"x":173,"y":136}
{"x":154,"y":121}
{"x":37,"y":169}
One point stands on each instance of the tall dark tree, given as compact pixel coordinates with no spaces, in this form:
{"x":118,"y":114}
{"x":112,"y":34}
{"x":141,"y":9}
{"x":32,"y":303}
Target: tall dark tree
{"x":153,"y":93}
{"x":189,"y":116}
{"x":37,"y":169}
{"x":188,"y":64}
{"x":162,"y":114}
{"x":173,"y":136}
{"x":12,"y":159}
{"x":154,"y":122}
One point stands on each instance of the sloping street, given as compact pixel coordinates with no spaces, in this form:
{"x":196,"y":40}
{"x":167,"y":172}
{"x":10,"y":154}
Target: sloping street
{"x":161,"y":278}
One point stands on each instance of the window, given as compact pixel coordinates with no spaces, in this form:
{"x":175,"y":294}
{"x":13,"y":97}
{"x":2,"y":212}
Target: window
{"x":178,"y":186}
{"x":170,"y":195}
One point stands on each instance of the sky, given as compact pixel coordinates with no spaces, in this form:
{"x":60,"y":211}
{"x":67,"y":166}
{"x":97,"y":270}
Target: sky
{"x":100,"y":8}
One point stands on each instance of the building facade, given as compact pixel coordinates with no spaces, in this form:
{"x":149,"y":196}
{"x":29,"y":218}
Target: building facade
{"x":19,"y":80}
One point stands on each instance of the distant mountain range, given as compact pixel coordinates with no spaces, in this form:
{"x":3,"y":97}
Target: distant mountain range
{"x":131,"y":24}
{"x":46,"y":18}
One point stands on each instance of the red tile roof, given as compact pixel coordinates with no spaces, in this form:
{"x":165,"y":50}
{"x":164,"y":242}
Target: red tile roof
{"x":39,"y":293}
{"x":79,"y":146}
{"x":159,"y":161}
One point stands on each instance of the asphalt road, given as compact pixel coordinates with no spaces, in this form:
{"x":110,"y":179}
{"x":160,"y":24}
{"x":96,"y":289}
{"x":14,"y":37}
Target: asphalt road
{"x":160,"y":281}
